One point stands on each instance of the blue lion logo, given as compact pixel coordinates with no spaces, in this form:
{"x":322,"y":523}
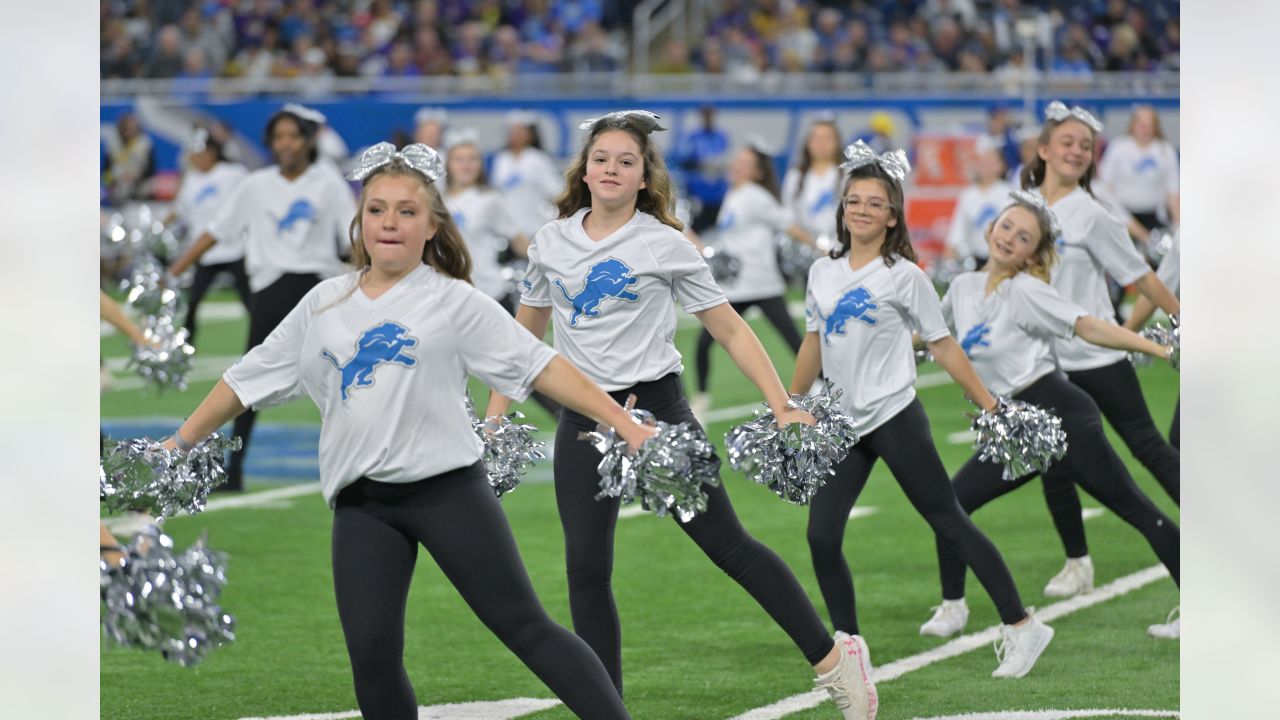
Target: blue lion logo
{"x":513,"y":181}
{"x":460,"y":220}
{"x":727,"y":221}
{"x":826,"y":200}
{"x":984,"y":217}
{"x":1145,"y":164}
{"x":607,"y":278}
{"x":385,"y":343}
{"x":975,"y":338}
{"x":205,"y":193}
{"x":856,"y":304}
{"x":299,"y":211}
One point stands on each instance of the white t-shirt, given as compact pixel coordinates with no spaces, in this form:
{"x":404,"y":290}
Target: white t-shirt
{"x":864,"y":320}
{"x":1093,"y":242}
{"x":482,"y":218}
{"x":613,"y":300}
{"x":297,"y":226}
{"x":529,"y":184}
{"x":199,"y":198}
{"x":388,"y":375}
{"x":748,"y":223}
{"x":1169,"y":272}
{"x":815,"y":208}
{"x":976,"y":208}
{"x":1009,"y":334}
{"x":1141,"y":179}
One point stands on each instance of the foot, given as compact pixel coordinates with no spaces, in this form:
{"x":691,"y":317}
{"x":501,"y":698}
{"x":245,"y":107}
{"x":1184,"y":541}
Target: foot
{"x":1019,"y":647}
{"x":700,"y":404}
{"x":849,"y":683}
{"x":1076,"y":577}
{"x":948,"y":619}
{"x":1170,"y":629}
{"x":841,"y":636}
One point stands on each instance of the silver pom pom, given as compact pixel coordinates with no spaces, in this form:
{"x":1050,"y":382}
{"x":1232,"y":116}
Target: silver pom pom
{"x":666,"y":473}
{"x":146,"y":291}
{"x":796,"y":460}
{"x":143,"y":475}
{"x":509,"y":449}
{"x":166,"y":358}
{"x":1169,"y":336}
{"x":1020,"y":436}
{"x":795,"y":258}
{"x":724,"y":265}
{"x":157,"y":599}
{"x":943,"y":271}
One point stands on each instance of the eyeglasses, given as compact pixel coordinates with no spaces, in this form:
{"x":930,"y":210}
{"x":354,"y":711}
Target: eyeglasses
{"x":874,"y":205}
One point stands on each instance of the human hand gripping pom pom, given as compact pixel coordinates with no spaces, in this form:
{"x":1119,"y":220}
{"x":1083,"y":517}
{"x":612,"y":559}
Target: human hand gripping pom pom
{"x":1021,"y":437}
{"x":142,"y":474}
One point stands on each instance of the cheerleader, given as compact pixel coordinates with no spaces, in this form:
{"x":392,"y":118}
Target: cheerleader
{"x":1093,"y":244}
{"x":208,"y":182}
{"x":750,"y":217}
{"x":978,"y":203}
{"x":861,"y":306}
{"x":293,"y":217}
{"x":384,"y":353}
{"x":809,"y":188}
{"x":526,"y":175}
{"x":610,"y":272}
{"x":1140,"y":169}
{"x":1009,"y":319}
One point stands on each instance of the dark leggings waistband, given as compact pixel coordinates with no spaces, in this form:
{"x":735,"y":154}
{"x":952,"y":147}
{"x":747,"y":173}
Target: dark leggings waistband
{"x":649,"y":394}
{"x":367,"y":489}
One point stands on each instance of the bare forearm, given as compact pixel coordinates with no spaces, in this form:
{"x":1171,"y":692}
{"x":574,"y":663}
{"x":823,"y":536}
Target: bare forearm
{"x":189,"y":258}
{"x":1101,"y":332}
{"x":948,"y":354}
{"x":800,"y":234}
{"x":567,"y":385}
{"x":1153,"y":289}
{"x":535,"y":320}
{"x":220,"y":406}
{"x":749,"y":355}
{"x":1143,"y":309}
{"x":111,"y":311}
{"x":808,"y":364}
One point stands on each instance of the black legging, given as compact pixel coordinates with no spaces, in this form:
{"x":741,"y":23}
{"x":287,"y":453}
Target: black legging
{"x":907,"y":448}
{"x":270,"y":306}
{"x":1173,"y":427}
{"x":588,"y":531}
{"x":774,"y":309}
{"x":377,"y":528}
{"x":1090,"y":461}
{"x":1118,"y":395}
{"x":205,"y":275}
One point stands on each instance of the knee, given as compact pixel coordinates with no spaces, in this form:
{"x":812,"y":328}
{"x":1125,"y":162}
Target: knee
{"x":375,"y":655}
{"x":587,"y":573}
{"x":524,"y":629}
{"x":824,"y":540}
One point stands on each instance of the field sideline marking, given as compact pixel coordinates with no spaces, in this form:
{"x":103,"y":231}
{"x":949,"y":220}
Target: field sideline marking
{"x":964,"y":644}
{"x":484,"y":710}
{"x":1057,"y":714}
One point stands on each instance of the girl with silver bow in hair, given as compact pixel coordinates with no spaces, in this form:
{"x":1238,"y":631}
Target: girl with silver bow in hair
{"x":609,"y":272}
{"x":384,"y":352}
{"x":1010,"y":318}
{"x":862,"y":305}
{"x":1093,"y":245}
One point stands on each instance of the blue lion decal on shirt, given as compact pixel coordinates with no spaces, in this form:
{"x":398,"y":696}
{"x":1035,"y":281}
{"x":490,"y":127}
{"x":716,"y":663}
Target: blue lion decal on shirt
{"x":1145,"y":164}
{"x":380,"y":344}
{"x":856,"y":304}
{"x":299,"y":211}
{"x":984,"y":217}
{"x":605,"y":279}
{"x":205,"y":193}
{"x":976,"y":338}
{"x":825,"y":200}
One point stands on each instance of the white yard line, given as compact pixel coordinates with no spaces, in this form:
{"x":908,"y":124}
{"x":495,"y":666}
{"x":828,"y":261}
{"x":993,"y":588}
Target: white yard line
{"x":964,"y":644}
{"x":494,"y":710}
{"x":1101,"y":713}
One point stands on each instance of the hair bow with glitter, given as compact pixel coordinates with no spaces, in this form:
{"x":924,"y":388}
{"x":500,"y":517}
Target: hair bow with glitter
{"x":646,"y":120}
{"x":893,"y":162}
{"x":1058,"y":112}
{"x":417,"y":156}
{"x":1037,"y":202}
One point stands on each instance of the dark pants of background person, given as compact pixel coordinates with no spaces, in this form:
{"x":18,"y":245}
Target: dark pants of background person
{"x":589,"y":528}
{"x":1117,"y":393}
{"x":205,"y":275}
{"x":775,"y":311}
{"x":906,"y":445}
{"x":1090,"y":461}
{"x":377,"y":528}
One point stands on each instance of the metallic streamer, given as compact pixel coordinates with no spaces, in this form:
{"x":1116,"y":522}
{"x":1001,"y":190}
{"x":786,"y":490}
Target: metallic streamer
{"x":141,"y":474}
{"x":509,"y":449}
{"x":1020,"y":436}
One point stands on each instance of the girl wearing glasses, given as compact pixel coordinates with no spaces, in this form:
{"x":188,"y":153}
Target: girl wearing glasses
{"x":862,"y":304}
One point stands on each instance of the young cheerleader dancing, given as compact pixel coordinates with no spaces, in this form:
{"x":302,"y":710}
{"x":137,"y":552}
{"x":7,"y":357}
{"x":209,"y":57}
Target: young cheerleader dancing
{"x":809,"y":189}
{"x":861,"y":306}
{"x":1010,"y":319}
{"x":609,"y":273}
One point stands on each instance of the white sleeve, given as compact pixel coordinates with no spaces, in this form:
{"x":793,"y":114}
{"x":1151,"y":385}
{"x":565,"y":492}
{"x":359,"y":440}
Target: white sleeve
{"x":232,"y":216}
{"x":920,"y":300}
{"x":535,"y":290}
{"x":551,"y":181}
{"x":1042,"y":311}
{"x":690,"y":277}
{"x":1109,"y":243}
{"x":1171,"y":171}
{"x":271,"y":373}
{"x":502,"y":223}
{"x":948,"y":314}
{"x":812,"y":317}
{"x":959,"y":220}
{"x":344,"y":211}
{"x":494,"y":347}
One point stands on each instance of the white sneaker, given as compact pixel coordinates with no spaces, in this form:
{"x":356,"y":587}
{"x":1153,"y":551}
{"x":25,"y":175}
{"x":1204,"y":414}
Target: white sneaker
{"x":1076,"y":577}
{"x":700,"y":404}
{"x":849,"y":683}
{"x":841,"y":636}
{"x":1018,"y":648}
{"x":948,"y":619}
{"x":1170,"y":629}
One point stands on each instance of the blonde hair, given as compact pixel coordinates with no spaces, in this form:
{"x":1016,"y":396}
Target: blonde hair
{"x":1046,"y":254}
{"x":657,"y":197}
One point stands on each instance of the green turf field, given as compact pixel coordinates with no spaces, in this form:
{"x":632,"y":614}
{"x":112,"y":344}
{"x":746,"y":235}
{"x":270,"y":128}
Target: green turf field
{"x":695,"y":645}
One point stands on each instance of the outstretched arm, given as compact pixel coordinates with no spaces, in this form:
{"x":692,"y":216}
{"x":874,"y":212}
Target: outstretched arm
{"x":111,"y":311}
{"x":1153,"y":288}
{"x":732,"y":332}
{"x":948,"y":354}
{"x":219,"y":407}
{"x":193,"y":253}
{"x":535,"y":320}
{"x":566,"y":384}
{"x":1101,"y":332}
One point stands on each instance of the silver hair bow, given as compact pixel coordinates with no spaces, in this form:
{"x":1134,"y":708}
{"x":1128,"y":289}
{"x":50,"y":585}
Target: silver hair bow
{"x":461,"y":136}
{"x":893,"y":162}
{"x":417,"y":156}
{"x":1058,"y":112}
{"x":306,"y":113}
{"x":199,"y":140}
{"x":646,"y":120}
{"x":1036,"y":201}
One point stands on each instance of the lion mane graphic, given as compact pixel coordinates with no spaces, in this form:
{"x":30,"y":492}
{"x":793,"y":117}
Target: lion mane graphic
{"x":299,"y":211}
{"x":380,"y":344}
{"x":856,"y":304}
{"x":606,"y":279}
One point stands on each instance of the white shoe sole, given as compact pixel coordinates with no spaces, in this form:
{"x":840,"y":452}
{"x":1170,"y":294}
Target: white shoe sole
{"x":939,"y":633}
{"x":864,"y":669}
{"x":1035,"y":656}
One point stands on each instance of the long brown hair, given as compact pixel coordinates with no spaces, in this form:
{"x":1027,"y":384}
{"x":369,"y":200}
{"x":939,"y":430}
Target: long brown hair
{"x":657,"y":197}
{"x":766,"y":174}
{"x":446,"y":252}
{"x":1046,"y":254}
{"x":1032,"y":175}
{"x":897,"y":241}
{"x":806,"y":161}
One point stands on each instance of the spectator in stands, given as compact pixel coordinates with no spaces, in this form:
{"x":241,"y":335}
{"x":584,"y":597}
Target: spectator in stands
{"x":593,"y":51}
{"x":130,"y":162}
{"x":675,"y":59}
